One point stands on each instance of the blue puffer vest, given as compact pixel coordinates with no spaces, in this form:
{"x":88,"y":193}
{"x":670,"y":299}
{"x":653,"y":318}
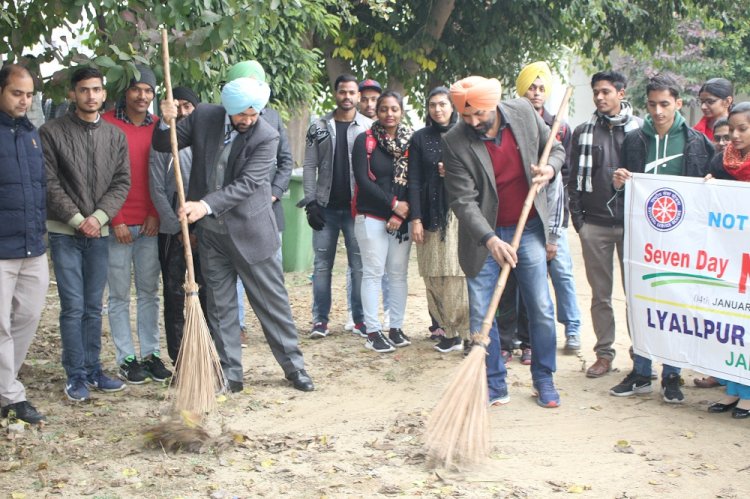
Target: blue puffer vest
{"x":23,"y":189}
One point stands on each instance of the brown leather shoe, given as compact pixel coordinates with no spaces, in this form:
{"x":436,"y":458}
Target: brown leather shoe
{"x":707,"y":382}
{"x":601,"y":367}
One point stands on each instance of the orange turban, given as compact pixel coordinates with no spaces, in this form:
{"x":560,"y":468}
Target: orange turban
{"x":476,"y":91}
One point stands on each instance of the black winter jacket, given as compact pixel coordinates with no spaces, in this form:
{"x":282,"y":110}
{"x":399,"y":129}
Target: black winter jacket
{"x":597,"y":207}
{"x":88,"y":171}
{"x":697,"y":155}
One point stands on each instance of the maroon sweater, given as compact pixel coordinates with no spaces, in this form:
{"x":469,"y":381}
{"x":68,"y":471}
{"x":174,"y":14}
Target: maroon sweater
{"x":510,"y":179}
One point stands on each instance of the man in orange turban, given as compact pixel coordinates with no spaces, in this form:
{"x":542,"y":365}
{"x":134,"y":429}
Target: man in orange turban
{"x":490,"y":161}
{"x":477,"y":92}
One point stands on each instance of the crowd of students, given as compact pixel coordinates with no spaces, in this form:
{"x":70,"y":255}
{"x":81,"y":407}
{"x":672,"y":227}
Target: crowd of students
{"x":455,"y":188}
{"x":400,"y":194}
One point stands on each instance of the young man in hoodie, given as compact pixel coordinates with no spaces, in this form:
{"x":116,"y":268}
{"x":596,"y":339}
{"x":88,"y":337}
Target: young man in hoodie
{"x":598,"y":216}
{"x":665,"y":145}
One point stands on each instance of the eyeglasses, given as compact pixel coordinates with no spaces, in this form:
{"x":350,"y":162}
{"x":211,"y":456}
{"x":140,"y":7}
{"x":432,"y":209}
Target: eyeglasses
{"x":709,"y":102}
{"x":719,"y":139}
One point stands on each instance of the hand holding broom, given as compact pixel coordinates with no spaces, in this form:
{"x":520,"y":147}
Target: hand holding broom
{"x":458,"y":429}
{"x":198,"y":369}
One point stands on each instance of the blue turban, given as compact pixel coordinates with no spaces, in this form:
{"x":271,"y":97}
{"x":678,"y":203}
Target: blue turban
{"x":243,"y":93}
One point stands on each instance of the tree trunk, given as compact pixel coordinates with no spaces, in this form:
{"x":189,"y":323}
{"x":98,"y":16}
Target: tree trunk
{"x":437,"y":18}
{"x":296,"y":131}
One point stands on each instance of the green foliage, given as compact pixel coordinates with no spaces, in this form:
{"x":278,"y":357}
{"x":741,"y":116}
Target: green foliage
{"x":205,"y":38}
{"x":391,"y":40}
{"x":712,"y":40}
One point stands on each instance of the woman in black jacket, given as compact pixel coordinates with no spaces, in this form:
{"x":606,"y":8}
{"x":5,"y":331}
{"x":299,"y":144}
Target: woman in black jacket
{"x":434,"y":228}
{"x":380,"y":163}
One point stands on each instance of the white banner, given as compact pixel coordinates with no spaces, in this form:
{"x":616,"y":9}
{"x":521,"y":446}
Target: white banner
{"x":687,"y":271}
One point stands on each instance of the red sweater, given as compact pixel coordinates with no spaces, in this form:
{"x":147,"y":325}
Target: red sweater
{"x":510,"y":179}
{"x":138,"y":204}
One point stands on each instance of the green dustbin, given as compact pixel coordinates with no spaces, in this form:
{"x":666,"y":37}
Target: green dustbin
{"x":296,"y":247}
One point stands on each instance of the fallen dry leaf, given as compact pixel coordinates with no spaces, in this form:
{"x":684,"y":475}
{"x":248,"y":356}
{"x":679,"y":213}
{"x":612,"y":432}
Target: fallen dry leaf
{"x":128,"y":472}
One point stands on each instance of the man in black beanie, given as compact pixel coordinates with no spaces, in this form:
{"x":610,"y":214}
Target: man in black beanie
{"x":187,"y":101}
{"x":163,"y":191}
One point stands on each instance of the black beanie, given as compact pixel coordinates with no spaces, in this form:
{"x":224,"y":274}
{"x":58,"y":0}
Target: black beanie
{"x":184,"y":93}
{"x":147,"y":76}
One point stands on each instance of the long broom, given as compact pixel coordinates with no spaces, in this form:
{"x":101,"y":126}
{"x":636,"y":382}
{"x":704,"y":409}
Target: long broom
{"x":198,"y":369}
{"x":458,"y":430}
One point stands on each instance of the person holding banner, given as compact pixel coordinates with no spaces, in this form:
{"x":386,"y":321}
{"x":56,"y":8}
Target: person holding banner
{"x":734,"y":164}
{"x":596,"y":214}
{"x":665,"y":145}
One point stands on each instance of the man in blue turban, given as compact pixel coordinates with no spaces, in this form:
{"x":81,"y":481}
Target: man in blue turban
{"x":279,"y":176}
{"x":233,"y":154}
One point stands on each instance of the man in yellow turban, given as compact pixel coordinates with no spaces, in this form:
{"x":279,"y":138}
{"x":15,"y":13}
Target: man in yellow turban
{"x":534,"y":82}
{"x":490,"y":161}
{"x":539,"y":75}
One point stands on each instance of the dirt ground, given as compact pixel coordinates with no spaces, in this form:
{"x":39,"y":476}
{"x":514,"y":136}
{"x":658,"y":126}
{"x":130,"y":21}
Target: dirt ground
{"x":359,"y":434}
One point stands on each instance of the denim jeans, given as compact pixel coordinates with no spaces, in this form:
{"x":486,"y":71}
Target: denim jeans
{"x":561,"y":273}
{"x":382,"y":253}
{"x":531,"y":273}
{"x":80,"y":265}
{"x":324,"y":246}
{"x":384,"y":287}
{"x":143,"y":252}
{"x":642,"y":367}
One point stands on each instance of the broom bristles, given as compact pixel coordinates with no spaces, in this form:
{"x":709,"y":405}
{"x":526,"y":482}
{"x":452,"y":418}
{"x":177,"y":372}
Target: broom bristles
{"x":458,"y":428}
{"x":199,"y":374}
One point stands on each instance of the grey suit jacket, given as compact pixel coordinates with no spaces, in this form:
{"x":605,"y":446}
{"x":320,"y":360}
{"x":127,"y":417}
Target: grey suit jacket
{"x":244,"y":201}
{"x":470,"y":178}
{"x":282,"y":173}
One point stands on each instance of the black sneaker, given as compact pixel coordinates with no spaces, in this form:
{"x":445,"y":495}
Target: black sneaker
{"x":319,"y":330}
{"x":23,"y":411}
{"x":449,"y":345}
{"x":398,"y":338}
{"x":632,"y":384}
{"x":377,"y":342}
{"x":154,"y":367}
{"x":235,"y":386}
{"x":132,"y":371}
{"x":670,"y":389}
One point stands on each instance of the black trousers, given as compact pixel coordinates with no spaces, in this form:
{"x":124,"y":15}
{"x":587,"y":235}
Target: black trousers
{"x":173,"y":273}
{"x":512,"y":320}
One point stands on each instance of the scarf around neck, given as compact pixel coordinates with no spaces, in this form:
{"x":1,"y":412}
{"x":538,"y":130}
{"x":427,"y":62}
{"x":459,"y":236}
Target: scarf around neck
{"x":398,"y":147}
{"x":735,"y":164}
{"x":585,"y":140}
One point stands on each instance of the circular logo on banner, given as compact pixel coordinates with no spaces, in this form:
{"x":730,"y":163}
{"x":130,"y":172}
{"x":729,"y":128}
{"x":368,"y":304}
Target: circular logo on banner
{"x":664,"y":209}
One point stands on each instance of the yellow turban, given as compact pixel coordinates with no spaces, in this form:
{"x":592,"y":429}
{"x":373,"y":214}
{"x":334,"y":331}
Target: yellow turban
{"x":476,"y":91}
{"x":530,"y":73}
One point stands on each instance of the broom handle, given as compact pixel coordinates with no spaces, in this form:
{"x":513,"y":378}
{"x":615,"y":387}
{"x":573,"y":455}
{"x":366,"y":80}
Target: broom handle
{"x":502,"y":280}
{"x":177,"y":172}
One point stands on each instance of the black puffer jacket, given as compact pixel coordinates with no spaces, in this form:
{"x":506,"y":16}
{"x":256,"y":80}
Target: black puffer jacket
{"x":88,"y":169}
